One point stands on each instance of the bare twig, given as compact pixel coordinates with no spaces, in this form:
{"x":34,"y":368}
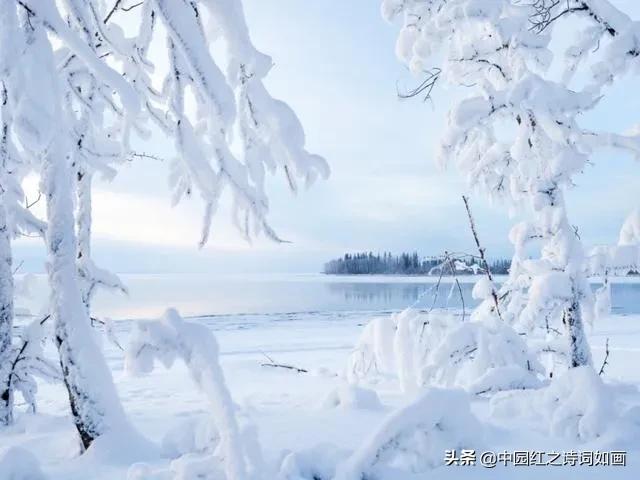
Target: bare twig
{"x":272,"y":363}
{"x":288,"y":367}
{"x":112,"y":11}
{"x":481,"y":251}
{"x":146,"y":155}
{"x":29,"y":204}
{"x":425,"y":87}
{"x":606,"y":357}
{"x":17,"y":269}
{"x":118,"y":6}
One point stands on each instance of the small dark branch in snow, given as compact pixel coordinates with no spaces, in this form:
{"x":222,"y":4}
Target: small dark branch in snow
{"x":112,"y":11}
{"x":267,"y":357}
{"x":147,"y":155}
{"x":546,"y":13}
{"x":606,"y":357}
{"x":272,"y":363}
{"x":17,"y":269}
{"x":288,"y":367}
{"x":29,"y":204}
{"x":118,"y":6}
{"x":425,"y":87}
{"x":128,"y":9}
{"x":481,"y":251}
{"x":26,"y":7}
{"x":464,"y":309}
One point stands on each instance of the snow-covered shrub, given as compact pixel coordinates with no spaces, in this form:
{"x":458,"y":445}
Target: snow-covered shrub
{"x":317,"y":463}
{"x":481,"y":357}
{"x":170,"y":338}
{"x":373,"y":355}
{"x":576,"y":405}
{"x":397,"y":346}
{"x":414,"y":438}
{"x":18,"y":464}
{"x":439,"y":349}
{"x":352,"y":397}
{"x":26,"y":362}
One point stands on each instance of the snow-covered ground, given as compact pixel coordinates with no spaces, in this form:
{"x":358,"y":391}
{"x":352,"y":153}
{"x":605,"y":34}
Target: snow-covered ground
{"x":293,"y":411}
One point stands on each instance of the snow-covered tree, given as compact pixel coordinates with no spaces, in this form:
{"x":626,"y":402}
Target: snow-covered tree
{"x":15,"y":218}
{"x":517,"y":135}
{"x":81,"y":89}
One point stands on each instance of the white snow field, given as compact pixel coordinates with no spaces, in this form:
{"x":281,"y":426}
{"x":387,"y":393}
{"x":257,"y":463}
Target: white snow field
{"x":304,"y":422}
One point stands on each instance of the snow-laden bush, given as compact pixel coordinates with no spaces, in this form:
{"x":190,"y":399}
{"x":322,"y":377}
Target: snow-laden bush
{"x":396,"y":346}
{"x":18,"y":464}
{"x":26,"y":361}
{"x":576,"y":405}
{"x":481,"y":357}
{"x":352,"y":397}
{"x":170,"y":338}
{"x":439,"y":349}
{"x":414,"y":438}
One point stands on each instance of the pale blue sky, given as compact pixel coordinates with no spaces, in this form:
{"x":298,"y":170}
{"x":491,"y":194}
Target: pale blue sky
{"x":335,"y":65}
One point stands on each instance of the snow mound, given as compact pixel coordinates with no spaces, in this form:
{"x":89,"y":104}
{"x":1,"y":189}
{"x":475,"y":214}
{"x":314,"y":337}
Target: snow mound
{"x":317,"y":463}
{"x":122,"y":446}
{"x":575,"y":405}
{"x":195,"y":435}
{"x":352,"y":397}
{"x":414,"y":438}
{"x":194,"y":466}
{"x":18,"y":464}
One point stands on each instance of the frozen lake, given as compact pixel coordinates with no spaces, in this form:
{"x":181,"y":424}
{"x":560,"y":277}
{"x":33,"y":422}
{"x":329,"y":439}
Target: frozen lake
{"x":199,"y":295}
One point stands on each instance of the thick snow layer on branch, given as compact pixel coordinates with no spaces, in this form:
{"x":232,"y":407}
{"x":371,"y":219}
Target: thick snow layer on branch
{"x":47,"y":13}
{"x":483,"y":289}
{"x":630,"y":231}
{"x":413,"y":438}
{"x":229,"y":101}
{"x":170,"y":338}
{"x":186,"y":32}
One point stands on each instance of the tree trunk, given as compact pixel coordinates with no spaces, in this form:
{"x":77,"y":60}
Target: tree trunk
{"x":92,"y":395}
{"x":83,"y":228}
{"x":579,"y":351}
{"x":6,"y":319}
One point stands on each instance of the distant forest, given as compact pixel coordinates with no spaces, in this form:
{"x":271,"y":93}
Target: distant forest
{"x":364,"y":263}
